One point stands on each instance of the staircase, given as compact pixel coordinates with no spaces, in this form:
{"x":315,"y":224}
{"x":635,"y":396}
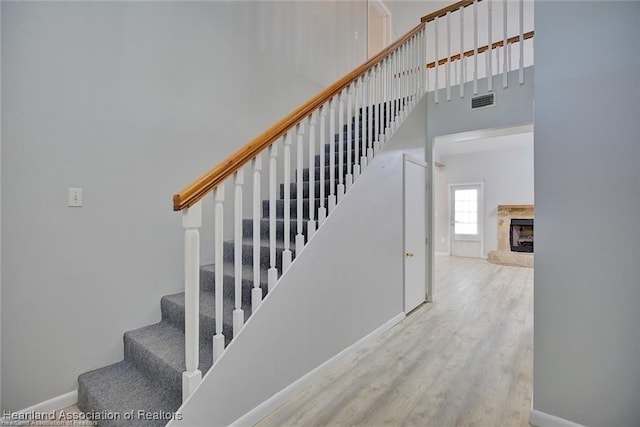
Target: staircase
{"x":147,"y":383}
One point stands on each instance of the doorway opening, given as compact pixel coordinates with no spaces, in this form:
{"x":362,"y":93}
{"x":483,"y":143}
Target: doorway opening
{"x":378,"y":27}
{"x":477,"y":173}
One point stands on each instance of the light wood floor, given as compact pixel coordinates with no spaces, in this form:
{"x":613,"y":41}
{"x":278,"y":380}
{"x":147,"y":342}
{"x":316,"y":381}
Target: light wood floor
{"x":464,"y":360}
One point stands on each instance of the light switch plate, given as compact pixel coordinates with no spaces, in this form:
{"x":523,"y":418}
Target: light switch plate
{"x":75,"y":197}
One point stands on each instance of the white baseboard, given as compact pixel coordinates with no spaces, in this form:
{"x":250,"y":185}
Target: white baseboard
{"x":266,"y":407}
{"x":542,"y":419}
{"x":54,"y":404}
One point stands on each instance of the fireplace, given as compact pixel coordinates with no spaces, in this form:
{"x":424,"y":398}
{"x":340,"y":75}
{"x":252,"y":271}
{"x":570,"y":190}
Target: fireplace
{"x":515,"y":236}
{"x":521,"y":235}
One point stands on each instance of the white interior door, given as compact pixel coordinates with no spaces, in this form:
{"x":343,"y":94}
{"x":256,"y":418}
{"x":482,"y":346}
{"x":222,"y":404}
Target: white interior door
{"x":415,"y":233}
{"x":466,"y":220}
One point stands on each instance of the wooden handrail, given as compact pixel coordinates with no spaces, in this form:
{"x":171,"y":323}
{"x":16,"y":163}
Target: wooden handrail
{"x":210,"y":180}
{"x":482,"y":49}
{"x":443,"y":12}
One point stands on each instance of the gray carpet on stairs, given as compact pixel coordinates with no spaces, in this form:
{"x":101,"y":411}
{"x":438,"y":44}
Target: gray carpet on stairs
{"x":147,"y":383}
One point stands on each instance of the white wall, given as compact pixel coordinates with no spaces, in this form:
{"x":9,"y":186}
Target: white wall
{"x":587,"y":162}
{"x":507,"y":175}
{"x":130,"y":101}
{"x":345,"y":284}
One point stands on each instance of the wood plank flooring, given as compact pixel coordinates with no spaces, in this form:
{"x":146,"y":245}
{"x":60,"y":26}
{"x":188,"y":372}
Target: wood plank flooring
{"x":464,"y":360}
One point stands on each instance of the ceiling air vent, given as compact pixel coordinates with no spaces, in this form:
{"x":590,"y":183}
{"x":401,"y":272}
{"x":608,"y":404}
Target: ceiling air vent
{"x":483,"y":101}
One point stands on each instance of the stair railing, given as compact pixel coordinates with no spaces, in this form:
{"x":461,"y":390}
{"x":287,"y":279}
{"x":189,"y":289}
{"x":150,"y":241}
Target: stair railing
{"x":348,"y":122}
{"x":453,"y":68}
{"x":346,"y":125}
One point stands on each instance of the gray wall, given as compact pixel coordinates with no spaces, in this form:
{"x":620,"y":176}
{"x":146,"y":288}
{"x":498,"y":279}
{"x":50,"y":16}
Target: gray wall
{"x":131,"y":101}
{"x":587,"y":288}
{"x":345,"y":284}
{"x":507,"y":175}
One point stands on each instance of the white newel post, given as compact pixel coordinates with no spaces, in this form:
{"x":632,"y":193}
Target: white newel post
{"x":286,"y":253}
{"x":311,"y":224}
{"x":218,"y":339}
{"x":191,"y":222}
{"x":256,"y":292}
{"x":238,"y":313}
{"x":273,"y":270}
{"x":322,"y":210}
{"x":299,"y":186}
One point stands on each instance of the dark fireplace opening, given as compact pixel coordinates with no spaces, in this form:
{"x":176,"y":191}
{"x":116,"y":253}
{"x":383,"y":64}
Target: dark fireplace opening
{"x":521,"y":235}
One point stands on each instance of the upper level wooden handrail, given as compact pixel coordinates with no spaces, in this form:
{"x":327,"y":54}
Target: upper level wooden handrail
{"x":443,"y":12}
{"x":210,"y":180}
{"x":512,"y":40}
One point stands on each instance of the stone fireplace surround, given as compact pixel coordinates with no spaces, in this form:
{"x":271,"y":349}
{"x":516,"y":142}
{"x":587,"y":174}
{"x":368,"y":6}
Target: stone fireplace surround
{"x":504,"y":255}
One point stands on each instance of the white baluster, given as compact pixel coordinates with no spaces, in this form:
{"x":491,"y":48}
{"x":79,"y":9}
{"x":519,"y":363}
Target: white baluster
{"x":340,"y":189}
{"x":475,"y":47}
{"x":521,"y":38}
{"x":371,"y":118}
{"x":311,"y":224}
{"x":386,"y":97}
{"x":286,"y":253}
{"x":505,"y":67}
{"x":256,"y":292}
{"x":349,"y":177}
{"x":418,"y":70}
{"x":435,"y":38}
{"x":358,"y":123}
{"x":401,"y":81}
{"x":299,"y":186}
{"x":490,"y":51}
{"x":366,"y":123}
{"x":191,"y":222}
{"x":332,"y":157}
{"x":238,"y":313}
{"x":218,"y":339}
{"x":322,"y":211}
{"x":273,"y":269}
{"x":376,"y":110}
{"x":462,"y":60}
{"x":389,"y":91}
{"x":396,"y":89}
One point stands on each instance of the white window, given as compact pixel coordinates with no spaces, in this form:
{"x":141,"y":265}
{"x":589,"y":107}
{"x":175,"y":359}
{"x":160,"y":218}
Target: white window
{"x":466,"y":211}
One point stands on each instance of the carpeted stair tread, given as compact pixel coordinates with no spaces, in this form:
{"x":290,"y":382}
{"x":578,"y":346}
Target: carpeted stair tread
{"x":158,"y":351}
{"x":247,"y":228}
{"x":264,"y":253}
{"x":121,"y":388}
{"x":207,"y":274}
{"x":173,"y":313}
